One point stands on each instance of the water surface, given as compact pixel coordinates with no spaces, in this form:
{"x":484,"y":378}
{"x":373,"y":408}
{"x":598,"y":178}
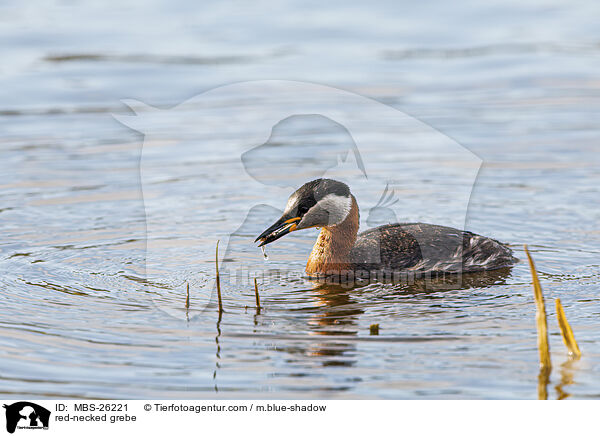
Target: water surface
{"x":82,"y":314}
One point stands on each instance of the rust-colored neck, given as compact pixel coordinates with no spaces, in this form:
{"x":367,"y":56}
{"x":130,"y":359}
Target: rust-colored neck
{"x":331,"y":252}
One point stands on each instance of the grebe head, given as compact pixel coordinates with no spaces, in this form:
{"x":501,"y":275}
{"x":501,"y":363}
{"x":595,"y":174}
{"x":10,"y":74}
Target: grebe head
{"x":320,"y":203}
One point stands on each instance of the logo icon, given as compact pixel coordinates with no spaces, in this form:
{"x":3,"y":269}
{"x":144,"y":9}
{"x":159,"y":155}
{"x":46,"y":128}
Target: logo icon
{"x":267,"y":138}
{"x":26,"y":415}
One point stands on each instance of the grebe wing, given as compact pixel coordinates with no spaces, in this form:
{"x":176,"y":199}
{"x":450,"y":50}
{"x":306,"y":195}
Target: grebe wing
{"x":428,"y":247}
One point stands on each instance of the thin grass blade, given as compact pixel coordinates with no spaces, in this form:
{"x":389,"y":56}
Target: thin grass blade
{"x":566,"y":331}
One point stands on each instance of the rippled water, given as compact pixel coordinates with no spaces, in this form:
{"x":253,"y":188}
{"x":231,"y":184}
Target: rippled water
{"x":83,"y":315}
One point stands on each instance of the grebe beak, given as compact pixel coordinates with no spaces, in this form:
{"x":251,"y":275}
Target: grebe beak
{"x":282,"y":227}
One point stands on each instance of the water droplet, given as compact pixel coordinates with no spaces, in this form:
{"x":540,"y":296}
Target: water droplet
{"x":264,"y":251}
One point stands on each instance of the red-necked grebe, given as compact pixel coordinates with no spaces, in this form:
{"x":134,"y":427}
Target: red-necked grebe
{"x":409,"y":247}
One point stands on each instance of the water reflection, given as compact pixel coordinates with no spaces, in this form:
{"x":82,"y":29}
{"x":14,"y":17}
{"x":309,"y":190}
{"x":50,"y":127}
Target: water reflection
{"x":543,"y":380}
{"x":567,"y":373}
{"x":337,"y":315}
{"x":416,"y":285}
{"x":338,"y":310}
{"x":218,"y":352}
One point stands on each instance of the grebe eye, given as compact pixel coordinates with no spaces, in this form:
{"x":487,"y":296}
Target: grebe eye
{"x":302,"y":209}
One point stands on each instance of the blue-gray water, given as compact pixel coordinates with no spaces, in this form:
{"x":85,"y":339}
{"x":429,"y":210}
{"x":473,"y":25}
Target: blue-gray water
{"x":516,"y":83}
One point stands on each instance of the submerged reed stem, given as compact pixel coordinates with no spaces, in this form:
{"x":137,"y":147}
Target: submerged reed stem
{"x":566,"y":331}
{"x":540,"y":318}
{"x":218,"y":279}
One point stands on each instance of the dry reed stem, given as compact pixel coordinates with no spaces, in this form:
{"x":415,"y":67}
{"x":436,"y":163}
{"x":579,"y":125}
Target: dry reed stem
{"x":374,"y":329}
{"x":256,"y":294}
{"x":187,"y":298}
{"x":566,"y":331}
{"x":218,"y":279}
{"x":540,"y":318}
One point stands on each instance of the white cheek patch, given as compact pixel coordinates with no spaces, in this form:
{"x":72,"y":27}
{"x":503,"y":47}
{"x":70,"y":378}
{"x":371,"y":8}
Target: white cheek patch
{"x":337,"y":206}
